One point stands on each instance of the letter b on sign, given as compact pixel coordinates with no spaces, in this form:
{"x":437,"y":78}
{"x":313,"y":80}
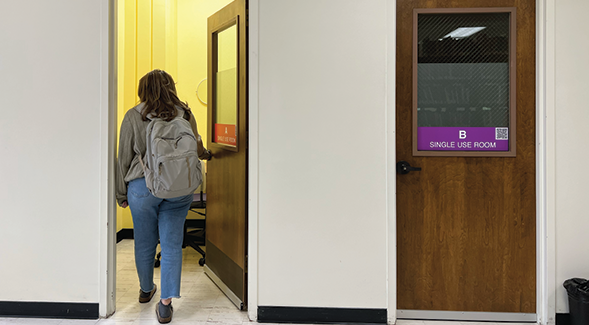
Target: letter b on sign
{"x":462,"y":134}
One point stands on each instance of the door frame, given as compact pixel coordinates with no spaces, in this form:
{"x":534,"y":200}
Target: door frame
{"x":253,"y":162}
{"x":545,"y":162}
{"x":108,"y":227}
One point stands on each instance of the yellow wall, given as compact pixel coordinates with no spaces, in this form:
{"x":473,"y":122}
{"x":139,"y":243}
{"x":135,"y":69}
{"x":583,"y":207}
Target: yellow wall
{"x":192,"y":54}
{"x":163,"y":34}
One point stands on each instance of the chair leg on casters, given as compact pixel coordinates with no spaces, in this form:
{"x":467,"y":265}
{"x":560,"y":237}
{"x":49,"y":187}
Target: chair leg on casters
{"x":157,"y":260}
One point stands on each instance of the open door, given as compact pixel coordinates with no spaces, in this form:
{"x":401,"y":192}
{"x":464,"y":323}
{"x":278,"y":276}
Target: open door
{"x":226,"y":244}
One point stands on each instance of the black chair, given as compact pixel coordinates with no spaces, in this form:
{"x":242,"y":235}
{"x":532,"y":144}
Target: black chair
{"x":194,"y":229}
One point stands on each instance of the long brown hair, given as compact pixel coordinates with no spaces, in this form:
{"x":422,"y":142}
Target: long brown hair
{"x":157,"y":90}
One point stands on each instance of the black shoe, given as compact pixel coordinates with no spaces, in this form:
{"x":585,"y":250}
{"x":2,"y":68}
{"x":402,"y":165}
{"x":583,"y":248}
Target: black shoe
{"x":146,"y":296}
{"x":163,"y":312}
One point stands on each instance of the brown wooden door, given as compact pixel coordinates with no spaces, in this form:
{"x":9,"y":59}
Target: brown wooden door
{"x":226,"y":242}
{"x":466,"y":226}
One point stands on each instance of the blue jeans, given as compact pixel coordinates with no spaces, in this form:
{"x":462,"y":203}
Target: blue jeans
{"x":153,"y":219}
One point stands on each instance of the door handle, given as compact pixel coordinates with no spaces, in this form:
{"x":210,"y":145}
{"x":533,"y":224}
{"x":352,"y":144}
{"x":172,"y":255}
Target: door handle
{"x":404,"y":167}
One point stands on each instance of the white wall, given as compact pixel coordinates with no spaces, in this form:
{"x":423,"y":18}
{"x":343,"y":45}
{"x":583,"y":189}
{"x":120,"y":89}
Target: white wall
{"x":322,"y":153}
{"x":51,"y":104}
{"x":572,"y":155}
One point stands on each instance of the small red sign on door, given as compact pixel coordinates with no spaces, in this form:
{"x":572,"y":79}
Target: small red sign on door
{"x":225,"y":134}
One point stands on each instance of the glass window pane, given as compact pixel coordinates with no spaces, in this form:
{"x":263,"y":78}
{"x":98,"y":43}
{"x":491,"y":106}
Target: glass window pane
{"x":225,"y":115}
{"x":463,"y":81}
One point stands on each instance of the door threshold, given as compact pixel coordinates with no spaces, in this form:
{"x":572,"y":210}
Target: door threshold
{"x":219,"y":283}
{"x":466,"y":316}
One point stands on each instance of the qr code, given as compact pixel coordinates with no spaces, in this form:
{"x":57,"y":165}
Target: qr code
{"x":501,"y":133}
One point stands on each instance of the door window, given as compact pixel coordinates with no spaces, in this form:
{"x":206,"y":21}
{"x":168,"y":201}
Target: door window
{"x":464,"y":89}
{"x":225,"y":110}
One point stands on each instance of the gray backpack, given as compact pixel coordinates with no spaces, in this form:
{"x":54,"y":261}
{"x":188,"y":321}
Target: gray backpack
{"x":172,"y":168}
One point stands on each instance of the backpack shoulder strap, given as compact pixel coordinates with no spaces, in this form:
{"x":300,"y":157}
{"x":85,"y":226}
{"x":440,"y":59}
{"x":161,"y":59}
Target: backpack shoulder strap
{"x":139,"y":109}
{"x":181,"y":112}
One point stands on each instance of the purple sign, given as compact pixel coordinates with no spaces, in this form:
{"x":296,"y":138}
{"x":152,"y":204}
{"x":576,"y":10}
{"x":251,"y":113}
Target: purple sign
{"x":463,"y":138}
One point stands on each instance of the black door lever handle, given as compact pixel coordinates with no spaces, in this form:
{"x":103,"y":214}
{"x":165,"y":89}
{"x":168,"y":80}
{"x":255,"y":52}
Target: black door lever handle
{"x":404,"y":167}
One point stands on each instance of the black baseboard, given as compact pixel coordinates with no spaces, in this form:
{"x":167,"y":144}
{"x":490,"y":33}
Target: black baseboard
{"x":49,"y":309}
{"x":563,"y":319}
{"x":124,"y":234}
{"x":268,"y":314}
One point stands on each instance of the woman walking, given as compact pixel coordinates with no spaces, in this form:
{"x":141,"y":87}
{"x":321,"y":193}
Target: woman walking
{"x":154,"y":219}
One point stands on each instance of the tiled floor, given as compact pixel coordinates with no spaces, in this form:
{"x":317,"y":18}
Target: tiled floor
{"x":202,"y":303}
{"x":201,"y":300}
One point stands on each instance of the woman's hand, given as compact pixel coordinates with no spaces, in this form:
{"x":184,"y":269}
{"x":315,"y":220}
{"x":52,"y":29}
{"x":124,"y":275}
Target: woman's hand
{"x":124,"y":204}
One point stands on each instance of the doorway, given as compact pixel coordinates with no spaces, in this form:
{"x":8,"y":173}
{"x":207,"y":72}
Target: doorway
{"x":173,"y":36}
{"x":466,"y":202}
